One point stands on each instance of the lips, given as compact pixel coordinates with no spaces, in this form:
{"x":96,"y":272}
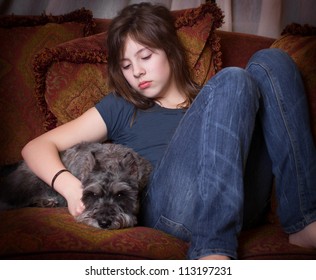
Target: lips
{"x":144,"y":85}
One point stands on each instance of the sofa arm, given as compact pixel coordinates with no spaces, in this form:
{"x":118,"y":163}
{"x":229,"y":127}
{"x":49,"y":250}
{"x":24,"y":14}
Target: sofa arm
{"x":237,"y":48}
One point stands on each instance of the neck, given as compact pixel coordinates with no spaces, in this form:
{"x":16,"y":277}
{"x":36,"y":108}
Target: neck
{"x":172,"y":103}
{"x":173,"y":99}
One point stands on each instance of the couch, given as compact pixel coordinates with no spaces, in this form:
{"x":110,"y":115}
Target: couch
{"x":53,"y":68}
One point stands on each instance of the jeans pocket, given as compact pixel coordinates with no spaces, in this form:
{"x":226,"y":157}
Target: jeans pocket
{"x":176,"y":229}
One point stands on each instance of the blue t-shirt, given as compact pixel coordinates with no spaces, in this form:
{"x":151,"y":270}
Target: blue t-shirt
{"x":147,"y":133}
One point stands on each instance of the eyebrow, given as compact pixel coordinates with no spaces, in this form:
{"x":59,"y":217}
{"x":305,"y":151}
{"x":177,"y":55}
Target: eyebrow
{"x":137,"y":53}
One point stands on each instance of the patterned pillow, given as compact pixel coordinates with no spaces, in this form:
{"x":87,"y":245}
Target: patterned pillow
{"x":21,"y":38}
{"x":300,"y":42}
{"x":195,"y":28}
{"x":72,"y":77}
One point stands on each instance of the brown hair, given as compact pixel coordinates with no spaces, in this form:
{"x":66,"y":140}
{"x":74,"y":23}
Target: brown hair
{"x":153,"y":26}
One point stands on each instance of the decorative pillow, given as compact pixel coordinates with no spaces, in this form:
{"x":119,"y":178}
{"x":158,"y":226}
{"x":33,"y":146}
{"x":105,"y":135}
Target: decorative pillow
{"x":300,"y":43}
{"x":21,"y":38}
{"x":195,"y":28}
{"x":72,"y":77}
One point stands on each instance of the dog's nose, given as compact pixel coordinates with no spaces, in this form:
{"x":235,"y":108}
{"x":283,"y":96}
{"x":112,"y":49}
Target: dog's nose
{"x":105,"y":223}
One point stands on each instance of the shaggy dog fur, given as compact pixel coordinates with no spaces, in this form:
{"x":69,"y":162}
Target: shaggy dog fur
{"x":112,"y":178}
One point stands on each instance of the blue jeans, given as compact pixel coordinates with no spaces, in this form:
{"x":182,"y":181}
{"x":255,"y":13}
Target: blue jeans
{"x":198,"y":190}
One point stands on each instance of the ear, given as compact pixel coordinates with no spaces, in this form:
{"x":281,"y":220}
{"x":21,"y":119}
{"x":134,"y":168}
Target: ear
{"x":138,"y":167}
{"x":90,"y":163}
{"x":144,"y":171}
{"x":128,"y":163}
{"x":82,"y":164}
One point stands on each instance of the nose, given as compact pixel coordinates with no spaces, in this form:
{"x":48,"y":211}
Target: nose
{"x":138,"y":71}
{"x":106,"y":223}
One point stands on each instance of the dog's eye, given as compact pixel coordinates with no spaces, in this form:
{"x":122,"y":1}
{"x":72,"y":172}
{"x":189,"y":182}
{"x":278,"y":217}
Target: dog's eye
{"x":91,"y":194}
{"x":119,"y":194}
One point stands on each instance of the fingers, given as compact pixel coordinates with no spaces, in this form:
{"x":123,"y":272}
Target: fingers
{"x":77,"y":209}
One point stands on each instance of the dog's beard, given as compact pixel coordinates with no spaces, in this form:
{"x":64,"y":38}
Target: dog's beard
{"x":119,"y":220}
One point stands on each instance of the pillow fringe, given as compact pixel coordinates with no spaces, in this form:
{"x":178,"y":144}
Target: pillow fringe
{"x":82,"y":15}
{"x":191,"y":16}
{"x":298,"y":29}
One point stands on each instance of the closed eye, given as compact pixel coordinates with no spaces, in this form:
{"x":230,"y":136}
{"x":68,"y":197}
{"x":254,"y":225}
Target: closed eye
{"x":147,"y":57}
{"x":126,"y":67}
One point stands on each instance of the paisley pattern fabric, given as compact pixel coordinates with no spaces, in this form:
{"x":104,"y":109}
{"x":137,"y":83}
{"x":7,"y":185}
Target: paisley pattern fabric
{"x":52,"y":233}
{"x":270,"y":242}
{"x":300,"y":43}
{"x":21,"y":38}
{"x":72,"y":77}
{"x":196,"y":29}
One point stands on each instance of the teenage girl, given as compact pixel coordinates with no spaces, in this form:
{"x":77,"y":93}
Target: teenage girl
{"x":200,"y":140}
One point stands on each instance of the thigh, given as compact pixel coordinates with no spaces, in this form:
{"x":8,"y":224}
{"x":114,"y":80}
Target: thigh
{"x":197,"y":189}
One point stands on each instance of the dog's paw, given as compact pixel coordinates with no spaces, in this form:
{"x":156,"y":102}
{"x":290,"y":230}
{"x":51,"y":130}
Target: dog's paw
{"x":46,"y":203}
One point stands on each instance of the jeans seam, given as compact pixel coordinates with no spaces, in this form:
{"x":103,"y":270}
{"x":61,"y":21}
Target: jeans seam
{"x":289,"y":133}
{"x":171,"y":224}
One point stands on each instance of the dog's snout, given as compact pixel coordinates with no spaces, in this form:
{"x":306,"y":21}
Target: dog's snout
{"x":105,"y":223}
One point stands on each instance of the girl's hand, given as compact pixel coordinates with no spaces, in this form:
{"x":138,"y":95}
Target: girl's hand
{"x":75,"y":207}
{"x":75,"y":204}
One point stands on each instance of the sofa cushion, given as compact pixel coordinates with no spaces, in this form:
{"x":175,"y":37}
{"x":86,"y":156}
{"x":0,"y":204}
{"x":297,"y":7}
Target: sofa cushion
{"x":21,"y":38}
{"x":52,"y":233}
{"x":300,"y":43}
{"x":72,"y":77}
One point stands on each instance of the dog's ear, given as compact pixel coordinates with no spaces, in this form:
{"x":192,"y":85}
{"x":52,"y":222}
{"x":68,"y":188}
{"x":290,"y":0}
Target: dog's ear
{"x":85,"y":163}
{"x":128,"y":163}
{"x":138,"y":167}
{"x":144,"y":171}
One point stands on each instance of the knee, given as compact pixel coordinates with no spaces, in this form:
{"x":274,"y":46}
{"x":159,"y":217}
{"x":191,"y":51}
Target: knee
{"x":270,"y":57}
{"x":236,"y":81}
{"x":231,"y":86}
{"x":232,"y":72}
{"x":230,"y":76}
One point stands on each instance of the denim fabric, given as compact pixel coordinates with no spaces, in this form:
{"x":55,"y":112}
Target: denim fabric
{"x":285,"y":122}
{"x":217,"y":154}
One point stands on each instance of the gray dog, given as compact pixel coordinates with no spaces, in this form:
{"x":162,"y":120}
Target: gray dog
{"x":112,"y":178}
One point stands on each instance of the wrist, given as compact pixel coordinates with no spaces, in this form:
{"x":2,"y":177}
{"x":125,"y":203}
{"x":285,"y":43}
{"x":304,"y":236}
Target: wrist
{"x":56,"y":176}
{"x":66,"y":184}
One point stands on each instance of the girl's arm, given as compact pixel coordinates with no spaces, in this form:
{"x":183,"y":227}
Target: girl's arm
{"x":42,"y":154}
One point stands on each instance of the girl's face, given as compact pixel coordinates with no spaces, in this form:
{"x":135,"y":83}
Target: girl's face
{"x":148,"y":71}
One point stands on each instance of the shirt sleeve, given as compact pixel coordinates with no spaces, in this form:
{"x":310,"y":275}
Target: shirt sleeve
{"x":116,"y":113}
